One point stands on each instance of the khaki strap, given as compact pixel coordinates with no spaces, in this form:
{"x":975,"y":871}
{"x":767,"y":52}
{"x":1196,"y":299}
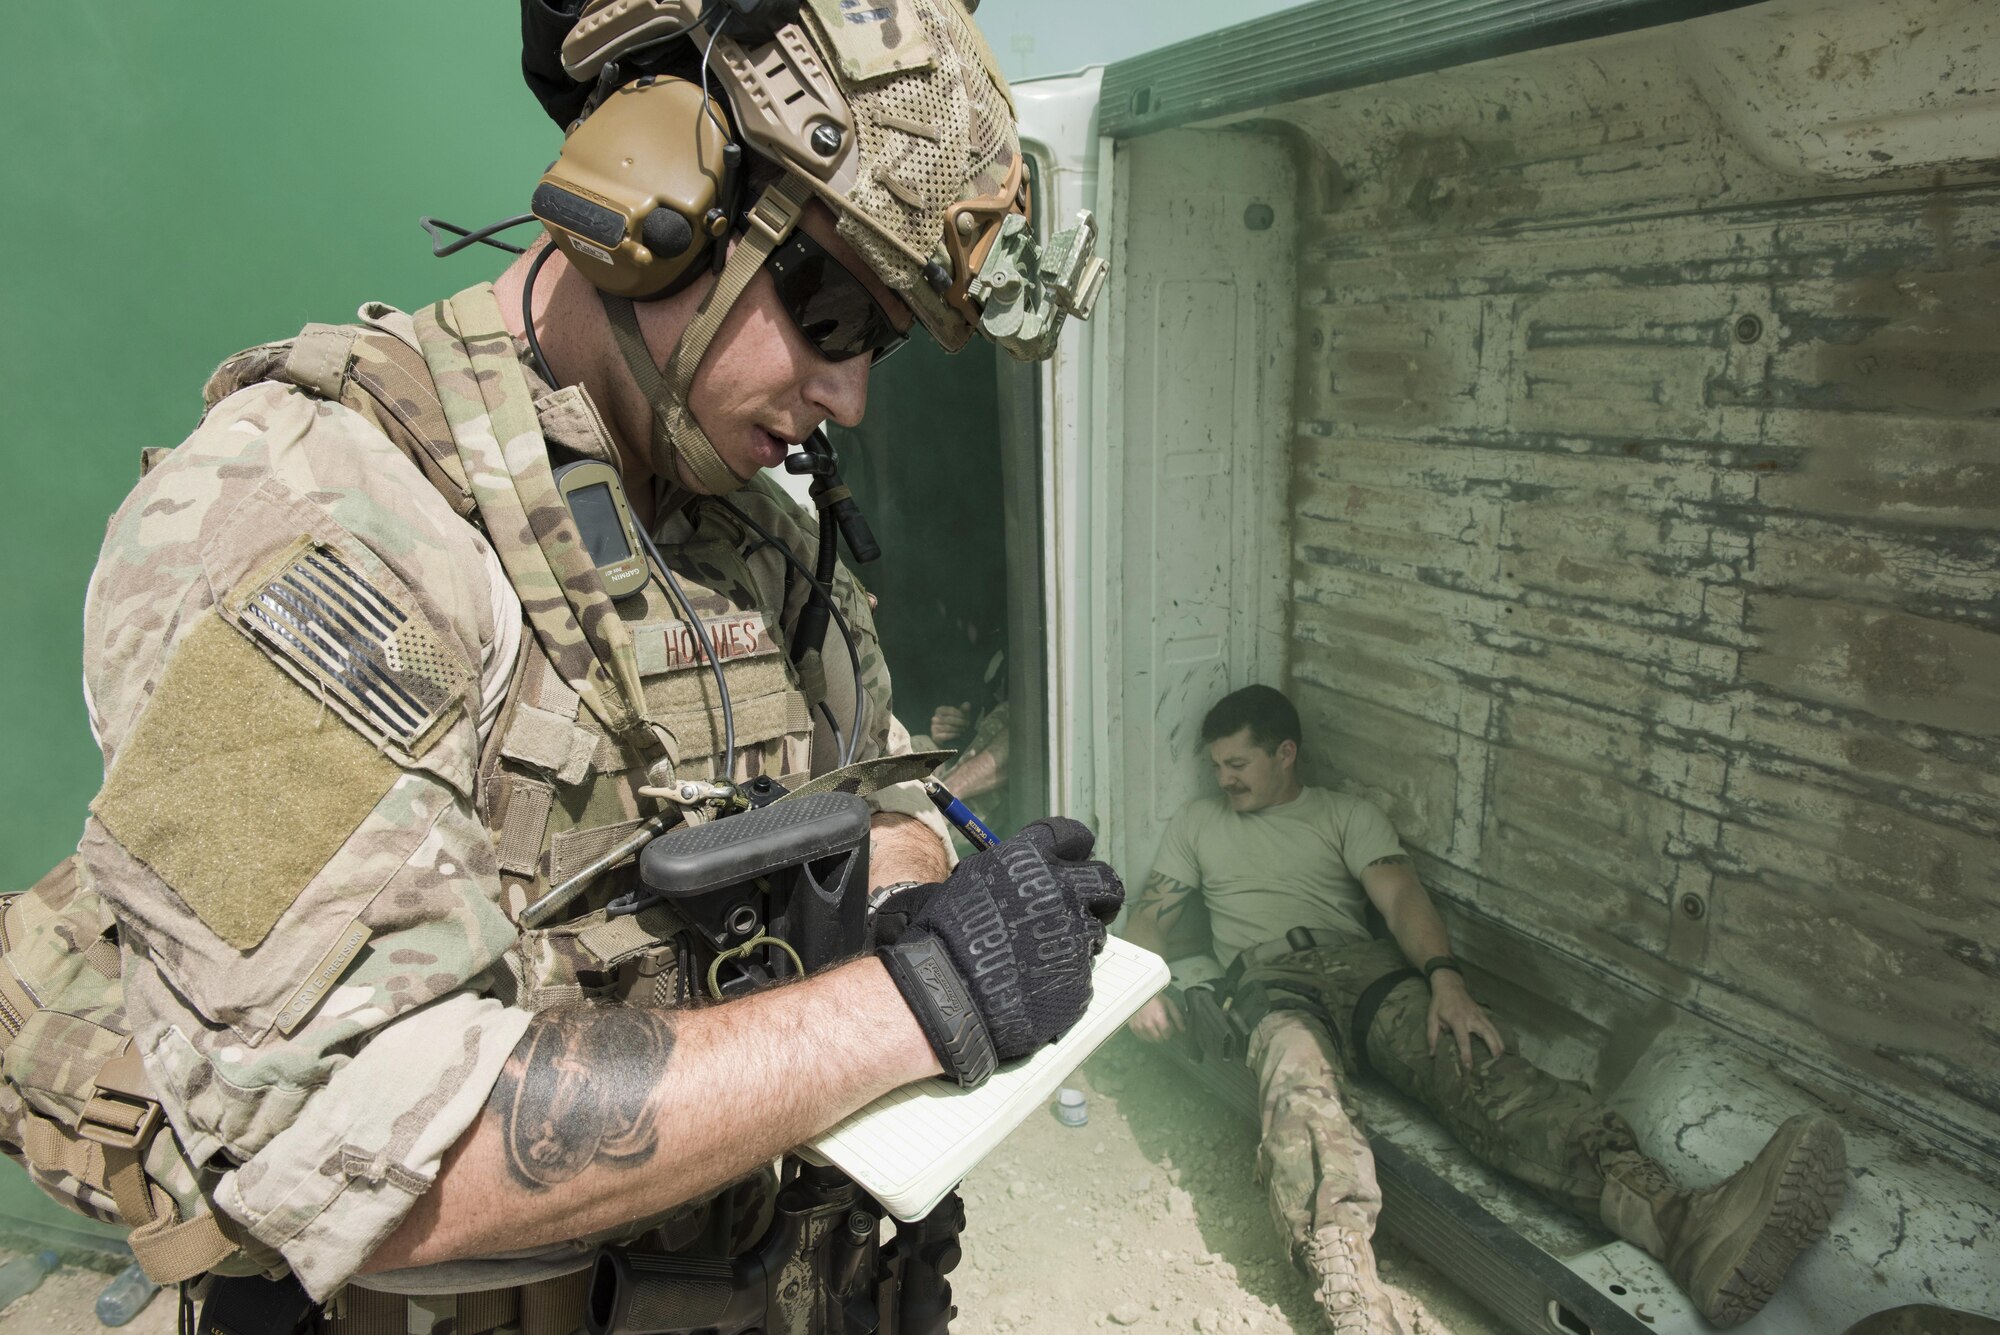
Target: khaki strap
{"x":318,"y":358}
{"x":570,"y":851}
{"x":486,"y":1310}
{"x":524,"y":822}
{"x":368,"y":1312}
{"x":550,"y":742}
{"x":542,"y":730}
{"x":102,"y":955}
{"x":168,"y":1248}
{"x":555,"y":1306}
{"x":54,"y":1151}
{"x":676,"y":434}
{"x":690,"y":442}
{"x":170,"y":1252}
{"x":865,"y":778}
{"x":498,"y":438}
{"x":616,"y":940}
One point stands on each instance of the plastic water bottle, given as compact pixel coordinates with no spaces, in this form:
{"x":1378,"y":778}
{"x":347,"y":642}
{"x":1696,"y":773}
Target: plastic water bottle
{"x":24,"y":1274}
{"x":125,"y":1296}
{"x":1071,"y":1110}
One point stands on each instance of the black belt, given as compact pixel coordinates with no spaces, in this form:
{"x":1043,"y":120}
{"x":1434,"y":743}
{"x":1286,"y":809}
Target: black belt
{"x":1365,"y":1006}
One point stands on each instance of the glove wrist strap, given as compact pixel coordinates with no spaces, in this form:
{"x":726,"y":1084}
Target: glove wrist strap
{"x":937,"y":996}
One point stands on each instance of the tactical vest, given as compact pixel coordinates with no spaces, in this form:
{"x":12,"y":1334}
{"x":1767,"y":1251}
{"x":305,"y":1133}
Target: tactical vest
{"x":589,"y":716}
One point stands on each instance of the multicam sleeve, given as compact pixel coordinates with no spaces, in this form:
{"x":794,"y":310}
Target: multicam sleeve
{"x":284,"y":641}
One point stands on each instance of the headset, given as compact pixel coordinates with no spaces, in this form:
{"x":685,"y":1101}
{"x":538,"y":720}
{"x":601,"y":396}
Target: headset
{"x":643,"y":197}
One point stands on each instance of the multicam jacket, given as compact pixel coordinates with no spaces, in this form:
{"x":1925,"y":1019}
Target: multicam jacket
{"x":344,"y":748}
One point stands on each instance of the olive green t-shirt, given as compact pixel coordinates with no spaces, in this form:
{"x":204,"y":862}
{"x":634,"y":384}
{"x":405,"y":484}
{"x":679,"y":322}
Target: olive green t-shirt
{"x":1265,"y":872}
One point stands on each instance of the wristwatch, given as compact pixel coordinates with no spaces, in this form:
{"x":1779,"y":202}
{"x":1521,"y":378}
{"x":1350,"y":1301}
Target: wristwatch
{"x":875,"y":897}
{"x":1436,"y":962}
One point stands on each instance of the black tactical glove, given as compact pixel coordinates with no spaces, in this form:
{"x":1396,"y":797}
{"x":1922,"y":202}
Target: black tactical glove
{"x":995,"y":962}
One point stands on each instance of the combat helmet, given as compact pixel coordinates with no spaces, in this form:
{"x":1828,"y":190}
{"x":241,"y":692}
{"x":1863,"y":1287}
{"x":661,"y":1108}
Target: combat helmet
{"x":893,"y":113}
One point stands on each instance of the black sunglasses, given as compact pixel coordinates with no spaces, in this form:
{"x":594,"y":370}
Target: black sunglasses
{"x":833,"y":309}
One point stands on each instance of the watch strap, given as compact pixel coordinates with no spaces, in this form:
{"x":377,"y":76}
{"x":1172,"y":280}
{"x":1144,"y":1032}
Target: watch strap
{"x":1436,"y":962}
{"x":938,"y":997}
{"x":875,"y":897}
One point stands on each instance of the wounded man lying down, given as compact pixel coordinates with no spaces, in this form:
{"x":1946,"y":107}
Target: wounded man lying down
{"x":1267,"y":855}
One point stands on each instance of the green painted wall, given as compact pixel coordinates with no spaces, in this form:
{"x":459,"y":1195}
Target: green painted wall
{"x":182,"y":181}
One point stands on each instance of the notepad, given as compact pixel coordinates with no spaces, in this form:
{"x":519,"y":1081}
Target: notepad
{"x":910,"y":1147}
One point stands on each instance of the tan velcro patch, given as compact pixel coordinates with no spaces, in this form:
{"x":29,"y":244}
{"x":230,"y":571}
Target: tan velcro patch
{"x":236,"y":785}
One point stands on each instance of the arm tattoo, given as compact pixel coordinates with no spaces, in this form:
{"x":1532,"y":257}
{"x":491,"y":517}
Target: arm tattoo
{"x":1393,"y":860}
{"x":580,"y":1089}
{"x":1162,"y":898}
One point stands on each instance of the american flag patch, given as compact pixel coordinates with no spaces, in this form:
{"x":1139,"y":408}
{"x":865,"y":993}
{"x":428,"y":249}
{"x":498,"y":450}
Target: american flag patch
{"x":389,"y":669}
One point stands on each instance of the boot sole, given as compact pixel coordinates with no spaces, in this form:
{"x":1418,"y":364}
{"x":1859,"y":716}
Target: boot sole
{"x":1808,"y":1191}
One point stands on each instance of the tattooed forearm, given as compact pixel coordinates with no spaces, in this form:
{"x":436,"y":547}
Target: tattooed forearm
{"x":1162,"y":899}
{"x":1393,"y":860}
{"x":581,"y":1088}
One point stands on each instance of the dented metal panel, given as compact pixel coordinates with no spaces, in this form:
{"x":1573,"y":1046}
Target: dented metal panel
{"x":1647,"y":469}
{"x":1333,"y":44}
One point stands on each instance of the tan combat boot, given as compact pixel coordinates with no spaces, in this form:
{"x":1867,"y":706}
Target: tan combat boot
{"x":1730,"y":1245}
{"x":1341,"y":1264}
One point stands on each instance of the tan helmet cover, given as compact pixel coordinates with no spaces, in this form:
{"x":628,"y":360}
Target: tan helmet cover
{"x":892,"y":112}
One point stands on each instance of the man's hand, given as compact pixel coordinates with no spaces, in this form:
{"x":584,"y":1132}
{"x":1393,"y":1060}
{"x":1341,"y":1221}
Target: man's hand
{"x":951,"y":722}
{"x":1453,"y":1008}
{"x":1158,"y":1020}
{"x":997,"y":959}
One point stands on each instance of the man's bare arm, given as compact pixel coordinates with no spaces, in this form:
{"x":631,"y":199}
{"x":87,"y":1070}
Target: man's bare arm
{"x":1162,"y":904}
{"x":608,"y":1114}
{"x":1393,"y":887}
{"x":1157,"y":911}
{"x":1413,"y":920}
{"x":903,"y":848}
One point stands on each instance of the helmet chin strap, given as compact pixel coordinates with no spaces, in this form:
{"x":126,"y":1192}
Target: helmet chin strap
{"x":676,"y":435}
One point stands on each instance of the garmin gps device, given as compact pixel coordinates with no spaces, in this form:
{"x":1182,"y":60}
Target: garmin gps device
{"x":596,"y":500}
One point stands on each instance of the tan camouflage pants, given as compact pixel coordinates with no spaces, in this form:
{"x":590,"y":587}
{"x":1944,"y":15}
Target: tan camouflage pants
{"x":1513,"y":1116}
{"x":1312,"y":1157}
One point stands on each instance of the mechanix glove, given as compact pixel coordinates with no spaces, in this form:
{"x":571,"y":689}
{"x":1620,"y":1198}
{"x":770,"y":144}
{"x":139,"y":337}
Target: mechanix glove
{"x":995,"y":962}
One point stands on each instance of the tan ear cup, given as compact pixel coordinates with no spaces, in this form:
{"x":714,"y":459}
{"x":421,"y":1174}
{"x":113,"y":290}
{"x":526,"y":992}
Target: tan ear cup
{"x":634,"y":202}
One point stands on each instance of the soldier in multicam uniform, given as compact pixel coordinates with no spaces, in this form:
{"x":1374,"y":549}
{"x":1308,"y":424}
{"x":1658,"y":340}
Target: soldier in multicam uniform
{"x":1270,"y":855}
{"x":362,"y":699}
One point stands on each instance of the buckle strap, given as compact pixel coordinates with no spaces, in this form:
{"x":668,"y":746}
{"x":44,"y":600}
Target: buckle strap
{"x":121,"y":1112}
{"x":171,"y":1250}
{"x":776,"y":212}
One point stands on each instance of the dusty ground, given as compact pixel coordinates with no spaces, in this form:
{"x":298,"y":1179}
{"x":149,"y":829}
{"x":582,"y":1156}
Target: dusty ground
{"x":64,"y":1305}
{"x":1146,"y":1220}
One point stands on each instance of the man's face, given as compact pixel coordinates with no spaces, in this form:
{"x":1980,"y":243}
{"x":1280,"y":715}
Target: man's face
{"x":1251,"y":777}
{"x":762,"y":388}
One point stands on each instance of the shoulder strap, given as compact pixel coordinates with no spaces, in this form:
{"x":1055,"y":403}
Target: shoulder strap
{"x":498,"y":440}
{"x":480,"y":444}
{"x":384,"y":379}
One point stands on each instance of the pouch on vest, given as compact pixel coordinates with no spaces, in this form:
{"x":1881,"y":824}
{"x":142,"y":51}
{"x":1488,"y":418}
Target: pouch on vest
{"x":76,"y":1107}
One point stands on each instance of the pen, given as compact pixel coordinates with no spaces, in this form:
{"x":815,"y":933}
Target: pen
{"x":960,"y":816}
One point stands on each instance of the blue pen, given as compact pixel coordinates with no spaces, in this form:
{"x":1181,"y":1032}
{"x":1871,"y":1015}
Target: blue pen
{"x":960,"y":816}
